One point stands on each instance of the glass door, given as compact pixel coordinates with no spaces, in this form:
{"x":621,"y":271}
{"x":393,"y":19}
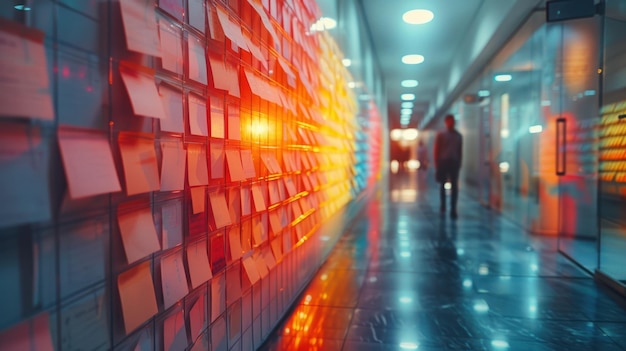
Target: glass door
{"x":576,"y":161}
{"x":612,"y":148}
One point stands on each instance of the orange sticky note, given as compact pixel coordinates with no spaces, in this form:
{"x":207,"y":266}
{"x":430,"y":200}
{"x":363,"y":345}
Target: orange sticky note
{"x":274,"y":192}
{"x":137,"y":296}
{"x":248,"y":164}
{"x":172,"y":101}
{"x":260,"y":265}
{"x":143,"y":93}
{"x":88,"y":163}
{"x":234,"y":205}
{"x":197,"y":172}
{"x":235,"y":169}
{"x":219,"y":208}
{"x":198,"y":262}
{"x":234,"y":124}
{"x":246,"y":236}
{"x":138,"y":233}
{"x":257,"y":196}
{"x":246,"y":204}
{"x":291,"y":187}
{"x":275,"y":222}
{"x":217,"y":118}
{"x":198,"y":196}
{"x":140,"y":163}
{"x":251,"y":271}
{"x":198,"y":116}
{"x":173,"y":165}
{"x":277,"y":247}
{"x":259,"y":233}
{"x":173,"y":278}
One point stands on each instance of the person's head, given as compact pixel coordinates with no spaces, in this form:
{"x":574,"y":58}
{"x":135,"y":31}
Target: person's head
{"x":449,"y":120}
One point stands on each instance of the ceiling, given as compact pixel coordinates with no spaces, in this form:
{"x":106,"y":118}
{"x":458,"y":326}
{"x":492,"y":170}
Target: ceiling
{"x":456,"y":45}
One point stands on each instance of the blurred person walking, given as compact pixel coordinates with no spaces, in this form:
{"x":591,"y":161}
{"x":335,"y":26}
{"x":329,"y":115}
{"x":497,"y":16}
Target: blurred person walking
{"x":448,"y":152}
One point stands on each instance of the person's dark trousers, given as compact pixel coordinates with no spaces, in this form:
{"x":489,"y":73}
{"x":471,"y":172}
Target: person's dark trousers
{"x":449,"y":170}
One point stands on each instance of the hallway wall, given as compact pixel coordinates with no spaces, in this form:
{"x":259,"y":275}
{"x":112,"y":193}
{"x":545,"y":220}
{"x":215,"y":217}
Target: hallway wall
{"x":171,"y":172}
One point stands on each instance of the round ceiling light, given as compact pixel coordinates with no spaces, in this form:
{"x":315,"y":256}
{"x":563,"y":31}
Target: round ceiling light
{"x":409,"y":83}
{"x":418,"y":16}
{"x":407,"y":104}
{"x":407,"y":97}
{"x":412,"y":59}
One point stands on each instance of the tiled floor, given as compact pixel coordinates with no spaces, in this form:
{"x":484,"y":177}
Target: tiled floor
{"x":405,"y":278}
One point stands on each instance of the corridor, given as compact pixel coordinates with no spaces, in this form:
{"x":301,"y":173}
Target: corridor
{"x":405,"y":278}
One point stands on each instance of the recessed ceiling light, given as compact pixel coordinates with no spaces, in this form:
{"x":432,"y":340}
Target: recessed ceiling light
{"x":483,"y":93}
{"x":418,"y":16}
{"x":346,"y":62}
{"x":412,"y":59}
{"x":407,"y":104}
{"x":21,"y":7}
{"x":406,"y":111}
{"x":409,"y":83}
{"x":503,"y":77}
{"x":407,"y":97}
{"x":351,"y":85}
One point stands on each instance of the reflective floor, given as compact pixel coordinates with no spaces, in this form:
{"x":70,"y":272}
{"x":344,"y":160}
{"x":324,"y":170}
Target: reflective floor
{"x":403,"y":277}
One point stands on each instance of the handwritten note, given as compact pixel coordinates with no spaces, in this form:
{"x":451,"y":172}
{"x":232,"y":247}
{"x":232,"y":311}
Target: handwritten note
{"x":140,"y":26}
{"x":137,"y":296}
{"x":140,"y":163}
{"x":198,"y":262}
{"x":24,"y":78}
{"x":88,"y":163}
{"x":173,"y":278}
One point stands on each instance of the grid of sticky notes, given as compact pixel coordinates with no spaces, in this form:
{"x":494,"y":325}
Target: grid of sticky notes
{"x":613,"y":148}
{"x":228,"y":137}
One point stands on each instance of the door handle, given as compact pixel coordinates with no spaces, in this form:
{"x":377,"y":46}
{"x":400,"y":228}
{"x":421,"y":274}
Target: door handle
{"x":561,"y":145}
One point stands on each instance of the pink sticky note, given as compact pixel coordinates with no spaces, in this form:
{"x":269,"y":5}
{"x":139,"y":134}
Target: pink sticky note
{"x":258,"y":230}
{"x":173,"y":165}
{"x":141,"y":171}
{"x":275,"y":222}
{"x":143,"y":93}
{"x":197,"y":172}
{"x":219,"y":208}
{"x":140,"y":26}
{"x":234,"y":205}
{"x":32,"y":334}
{"x":198,"y":116}
{"x":137,"y":296}
{"x":217,"y":118}
{"x":138,"y":233}
{"x":231,"y":29}
{"x":24,"y":56}
{"x":174,"y":332}
{"x":88,"y":163}
{"x":198,"y":262}
{"x":274,"y":192}
{"x":235,"y":168}
{"x":234,"y":123}
{"x":171,"y":42}
{"x":173,"y":278}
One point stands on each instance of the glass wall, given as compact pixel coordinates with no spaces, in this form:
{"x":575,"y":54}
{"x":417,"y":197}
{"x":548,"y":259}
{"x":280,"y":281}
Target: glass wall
{"x":536,"y":116}
{"x":612,"y":146}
